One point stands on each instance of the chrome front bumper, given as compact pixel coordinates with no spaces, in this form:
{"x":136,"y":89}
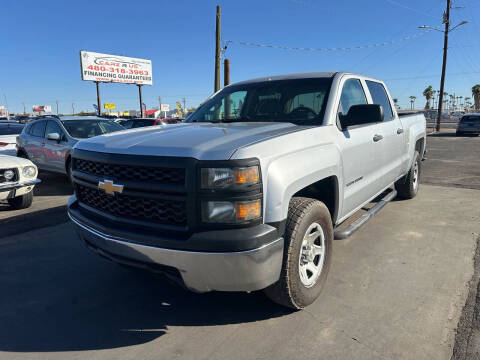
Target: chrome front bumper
{"x":18,"y":185}
{"x":200,"y":271}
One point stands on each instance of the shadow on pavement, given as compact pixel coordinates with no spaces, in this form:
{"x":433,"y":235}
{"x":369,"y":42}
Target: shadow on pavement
{"x":64,"y":298}
{"x":53,"y":185}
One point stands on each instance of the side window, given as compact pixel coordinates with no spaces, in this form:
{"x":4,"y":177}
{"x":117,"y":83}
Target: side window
{"x":53,"y":127}
{"x":38,"y":129}
{"x":380,"y":97}
{"x":352,"y":94}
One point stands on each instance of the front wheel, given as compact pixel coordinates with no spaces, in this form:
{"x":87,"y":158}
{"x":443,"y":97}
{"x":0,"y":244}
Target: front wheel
{"x":407,"y":187}
{"x":22,"y":201}
{"x":307,"y":254}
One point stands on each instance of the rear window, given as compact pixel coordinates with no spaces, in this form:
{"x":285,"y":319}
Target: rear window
{"x":471,"y":119}
{"x":83,"y":129}
{"x":10,"y":130}
{"x":142,"y":123}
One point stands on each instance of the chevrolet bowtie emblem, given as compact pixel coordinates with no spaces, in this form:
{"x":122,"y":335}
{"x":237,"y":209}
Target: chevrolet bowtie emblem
{"x":109,"y":187}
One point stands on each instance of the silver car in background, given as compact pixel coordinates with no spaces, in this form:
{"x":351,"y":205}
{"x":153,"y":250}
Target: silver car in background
{"x":48,"y":141}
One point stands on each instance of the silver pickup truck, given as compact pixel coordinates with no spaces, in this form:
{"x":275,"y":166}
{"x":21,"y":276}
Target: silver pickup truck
{"x":249,"y":193}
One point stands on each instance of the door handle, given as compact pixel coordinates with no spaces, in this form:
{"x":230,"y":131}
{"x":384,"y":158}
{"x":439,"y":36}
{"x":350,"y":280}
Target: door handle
{"x":399,"y":131}
{"x":377,"y":137}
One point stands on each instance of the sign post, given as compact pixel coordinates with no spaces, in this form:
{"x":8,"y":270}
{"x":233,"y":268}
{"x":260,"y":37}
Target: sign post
{"x":98,"y":98}
{"x":140,"y":98}
{"x":165,"y":108}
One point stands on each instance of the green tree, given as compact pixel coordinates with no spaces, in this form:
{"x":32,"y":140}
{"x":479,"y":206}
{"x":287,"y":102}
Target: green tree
{"x":412,"y":102}
{"x":428,"y":93}
{"x":476,"y":96}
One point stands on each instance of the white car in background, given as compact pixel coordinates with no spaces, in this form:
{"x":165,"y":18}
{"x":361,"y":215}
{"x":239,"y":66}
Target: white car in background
{"x":8,"y":137}
{"x":18,"y":177}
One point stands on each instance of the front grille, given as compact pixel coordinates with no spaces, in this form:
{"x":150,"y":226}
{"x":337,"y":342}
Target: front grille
{"x":156,"y":175}
{"x":160,"y":211}
{"x":2,"y":176}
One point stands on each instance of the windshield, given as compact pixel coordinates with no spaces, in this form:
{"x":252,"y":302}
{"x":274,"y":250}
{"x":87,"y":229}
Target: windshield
{"x":83,"y":129}
{"x":298,"y":101}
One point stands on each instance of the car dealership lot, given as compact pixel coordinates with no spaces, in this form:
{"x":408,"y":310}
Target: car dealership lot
{"x":396,"y":288}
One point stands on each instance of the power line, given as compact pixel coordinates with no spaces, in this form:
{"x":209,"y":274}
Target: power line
{"x":411,"y":9}
{"x":348,"y":48}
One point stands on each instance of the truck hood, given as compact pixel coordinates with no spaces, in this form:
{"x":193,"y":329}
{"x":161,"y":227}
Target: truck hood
{"x":202,"y":141}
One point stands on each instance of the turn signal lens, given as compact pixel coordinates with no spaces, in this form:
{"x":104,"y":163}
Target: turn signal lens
{"x":247,"y":175}
{"x":224,"y":178}
{"x":248,"y":210}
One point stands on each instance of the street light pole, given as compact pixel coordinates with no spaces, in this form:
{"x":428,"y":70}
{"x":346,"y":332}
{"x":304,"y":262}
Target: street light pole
{"x":444,"y":63}
{"x":446,"y":21}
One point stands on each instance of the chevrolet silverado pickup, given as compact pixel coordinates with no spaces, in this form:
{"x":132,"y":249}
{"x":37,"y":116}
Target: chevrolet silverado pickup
{"x":250,"y":191}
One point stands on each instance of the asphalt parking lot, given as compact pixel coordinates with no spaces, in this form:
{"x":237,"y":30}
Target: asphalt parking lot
{"x":397,"y":288}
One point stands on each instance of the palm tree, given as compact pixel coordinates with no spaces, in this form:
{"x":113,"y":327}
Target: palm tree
{"x":395,"y":101}
{"x":466,"y":102}
{"x":476,"y":96}
{"x":412,"y":102}
{"x":428,"y":93}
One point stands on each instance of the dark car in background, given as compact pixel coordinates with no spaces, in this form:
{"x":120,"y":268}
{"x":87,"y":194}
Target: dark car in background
{"x":47,"y":141}
{"x":469,"y":124}
{"x":143,"y":122}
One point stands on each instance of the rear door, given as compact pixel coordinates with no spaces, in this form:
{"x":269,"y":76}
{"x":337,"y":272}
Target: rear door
{"x":55,"y":151}
{"x":390,"y":149}
{"x":359,"y":158}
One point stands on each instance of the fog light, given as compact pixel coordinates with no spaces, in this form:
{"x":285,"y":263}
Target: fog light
{"x":9,"y":174}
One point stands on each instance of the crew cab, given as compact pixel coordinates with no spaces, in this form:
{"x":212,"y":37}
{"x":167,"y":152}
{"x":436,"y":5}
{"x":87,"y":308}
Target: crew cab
{"x":249,"y":192}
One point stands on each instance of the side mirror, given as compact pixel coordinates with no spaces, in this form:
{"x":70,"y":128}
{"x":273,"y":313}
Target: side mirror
{"x":362,"y":114}
{"x":54,"y":136}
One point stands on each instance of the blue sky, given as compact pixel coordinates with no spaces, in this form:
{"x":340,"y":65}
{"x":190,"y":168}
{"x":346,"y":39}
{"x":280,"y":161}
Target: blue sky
{"x":40,"y":41}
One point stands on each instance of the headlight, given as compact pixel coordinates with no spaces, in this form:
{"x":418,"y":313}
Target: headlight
{"x":231,"y":212}
{"x":220,"y":178}
{"x":29,"y":171}
{"x":8,"y":175}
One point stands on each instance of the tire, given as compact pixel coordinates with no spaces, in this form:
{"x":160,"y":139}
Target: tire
{"x":21,"y":202}
{"x":407,"y":187}
{"x":68,"y":168}
{"x":293,"y":290}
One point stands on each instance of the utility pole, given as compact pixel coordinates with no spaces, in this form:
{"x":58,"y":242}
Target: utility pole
{"x":24,"y":112}
{"x":446,"y":21}
{"x":184,"y":107}
{"x":73,"y":109}
{"x":217,"y":50}
{"x":56,"y":101}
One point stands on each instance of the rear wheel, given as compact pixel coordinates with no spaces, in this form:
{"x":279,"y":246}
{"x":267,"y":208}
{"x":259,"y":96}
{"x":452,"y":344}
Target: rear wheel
{"x":407,"y":187}
{"x":307,"y":254}
{"x":22,"y":201}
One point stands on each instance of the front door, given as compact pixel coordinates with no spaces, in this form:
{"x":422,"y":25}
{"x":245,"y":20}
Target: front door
{"x":55,"y":151}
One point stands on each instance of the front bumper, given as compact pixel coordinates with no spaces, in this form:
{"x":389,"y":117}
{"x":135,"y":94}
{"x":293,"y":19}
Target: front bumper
{"x":13,"y":189}
{"x":200,"y":271}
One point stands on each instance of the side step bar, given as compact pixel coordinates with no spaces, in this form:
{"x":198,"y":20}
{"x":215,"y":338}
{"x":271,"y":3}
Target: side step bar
{"x":357,"y":224}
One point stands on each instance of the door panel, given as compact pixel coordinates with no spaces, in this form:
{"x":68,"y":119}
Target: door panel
{"x":55,"y":151}
{"x":360,"y":168}
{"x":390,"y":151}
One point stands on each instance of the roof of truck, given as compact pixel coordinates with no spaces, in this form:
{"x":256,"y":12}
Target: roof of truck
{"x":307,"y":75}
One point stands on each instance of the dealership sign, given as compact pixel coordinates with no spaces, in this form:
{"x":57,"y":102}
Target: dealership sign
{"x":109,"y":106}
{"x":42,"y":108}
{"x":165,"y":107}
{"x":113,"y":68}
